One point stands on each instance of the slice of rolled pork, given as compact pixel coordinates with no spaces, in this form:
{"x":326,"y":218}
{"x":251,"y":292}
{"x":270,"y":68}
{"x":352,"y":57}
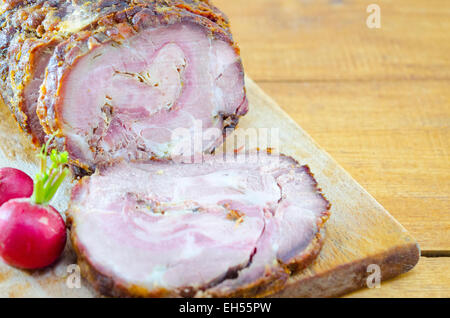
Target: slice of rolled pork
{"x":134,"y":93}
{"x":221,"y":228}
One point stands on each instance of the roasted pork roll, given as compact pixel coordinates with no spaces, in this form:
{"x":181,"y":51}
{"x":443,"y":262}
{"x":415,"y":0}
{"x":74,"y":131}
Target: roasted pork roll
{"x":116,"y":79}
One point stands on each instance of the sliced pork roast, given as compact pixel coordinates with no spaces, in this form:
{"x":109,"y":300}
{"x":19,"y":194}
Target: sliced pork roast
{"x":114,"y":79}
{"x":219,"y":228}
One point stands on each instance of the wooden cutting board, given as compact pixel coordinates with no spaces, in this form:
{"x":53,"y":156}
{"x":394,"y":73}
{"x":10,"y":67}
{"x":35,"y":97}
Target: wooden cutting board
{"x":360,"y":231}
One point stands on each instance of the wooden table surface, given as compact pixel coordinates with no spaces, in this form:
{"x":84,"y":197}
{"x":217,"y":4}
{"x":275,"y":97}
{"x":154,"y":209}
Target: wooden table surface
{"x":378,"y":100}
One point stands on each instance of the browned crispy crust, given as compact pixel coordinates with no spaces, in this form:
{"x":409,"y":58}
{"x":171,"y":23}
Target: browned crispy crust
{"x":274,"y":281}
{"x":26,"y":26}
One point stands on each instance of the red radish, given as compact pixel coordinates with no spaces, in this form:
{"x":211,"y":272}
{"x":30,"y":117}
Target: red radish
{"x":32,"y":232}
{"x":14,"y":184}
{"x":32,"y":236}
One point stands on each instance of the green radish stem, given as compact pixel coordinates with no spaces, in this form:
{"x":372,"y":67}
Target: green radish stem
{"x":49,"y":179}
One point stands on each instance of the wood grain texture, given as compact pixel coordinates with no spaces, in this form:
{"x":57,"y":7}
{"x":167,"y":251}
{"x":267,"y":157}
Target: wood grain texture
{"x":321,"y":40}
{"x":430,"y":278}
{"x":395,"y":143}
